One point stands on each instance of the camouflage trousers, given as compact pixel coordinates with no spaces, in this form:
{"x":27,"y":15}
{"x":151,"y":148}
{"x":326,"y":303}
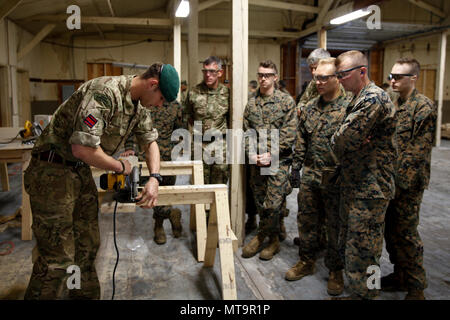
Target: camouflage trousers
{"x":250,"y":207}
{"x":269,"y":194}
{"x":314,"y":205}
{"x":64,"y":204}
{"x":163,"y":212}
{"x":363,"y":236}
{"x":403,"y":242}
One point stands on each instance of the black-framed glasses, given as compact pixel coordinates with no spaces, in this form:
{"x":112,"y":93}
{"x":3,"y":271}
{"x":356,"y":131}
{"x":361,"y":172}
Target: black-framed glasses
{"x":265,"y":75}
{"x":345,"y":73}
{"x":212,"y":71}
{"x":323,"y":78}
{"x":399,"y":76}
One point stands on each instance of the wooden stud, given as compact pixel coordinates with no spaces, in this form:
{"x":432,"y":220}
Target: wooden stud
{"x":4,"y":176}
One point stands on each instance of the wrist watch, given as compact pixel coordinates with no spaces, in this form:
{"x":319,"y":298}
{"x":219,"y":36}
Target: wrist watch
{"x":157,"y":176}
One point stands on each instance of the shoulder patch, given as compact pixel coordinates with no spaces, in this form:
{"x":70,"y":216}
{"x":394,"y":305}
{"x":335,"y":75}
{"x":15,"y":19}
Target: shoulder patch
{"x":90,"y":121}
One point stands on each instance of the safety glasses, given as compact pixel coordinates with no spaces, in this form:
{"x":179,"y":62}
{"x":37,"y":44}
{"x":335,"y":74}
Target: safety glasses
{"x":211,"y":71}
{"x":265,"y":75}
{"x":398,"y":76}
{"x":345,"y":73}
{"x":323,"y":78}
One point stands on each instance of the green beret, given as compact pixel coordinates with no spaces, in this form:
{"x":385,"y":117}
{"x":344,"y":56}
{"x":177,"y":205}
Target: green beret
{"x":169,"y":82}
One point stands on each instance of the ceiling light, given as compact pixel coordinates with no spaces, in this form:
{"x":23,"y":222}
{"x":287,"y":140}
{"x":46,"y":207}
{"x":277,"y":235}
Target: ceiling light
{"x":350,"y":16}
{"x":183,"y":9}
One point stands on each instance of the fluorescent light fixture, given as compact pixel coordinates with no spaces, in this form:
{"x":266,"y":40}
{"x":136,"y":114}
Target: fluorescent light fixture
{"x":350,"y":16}
{"x":183,"y":9}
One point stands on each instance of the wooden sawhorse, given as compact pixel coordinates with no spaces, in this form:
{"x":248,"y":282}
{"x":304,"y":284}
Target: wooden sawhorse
{"x":219,"y":226}
{"x":174,"y":168}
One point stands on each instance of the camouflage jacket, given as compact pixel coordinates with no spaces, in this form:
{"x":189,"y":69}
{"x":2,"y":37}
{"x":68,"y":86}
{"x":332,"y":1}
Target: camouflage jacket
{"x":309,"y":94}
{"x":165,"y":120}
{"x":211,"y":106}
{"x":100,"y":113}
{"x":416,"y":128}
{"x":274,"y":112}
{"x":367,"y":168}
{"x":318,"y":121}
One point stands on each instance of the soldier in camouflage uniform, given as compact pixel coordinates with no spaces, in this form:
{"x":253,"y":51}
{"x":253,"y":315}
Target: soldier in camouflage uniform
{"x":209,"y":102}
{"x":318,"y":196}
{"x":270,"y":109}
{"x":366,"y":148}
{"x":416,"y":126}
{"x":309,"y":94}
{"x":85,"y":131}
{"x":165,"y":120}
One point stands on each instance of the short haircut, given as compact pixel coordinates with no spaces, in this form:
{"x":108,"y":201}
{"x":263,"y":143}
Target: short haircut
{"x":413,"y":64}
{"x":213,"y":59}
{"x":358,"y":58}
{"x":331,"y":61}
{"x":153,"y":71}
{"x":269,"y":64}
{"x":316,"y":55}
{"x":253,"y":84}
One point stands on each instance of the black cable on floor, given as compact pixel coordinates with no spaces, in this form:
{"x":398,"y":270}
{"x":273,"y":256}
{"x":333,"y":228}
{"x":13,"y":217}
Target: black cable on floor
{"x":117,"y":252}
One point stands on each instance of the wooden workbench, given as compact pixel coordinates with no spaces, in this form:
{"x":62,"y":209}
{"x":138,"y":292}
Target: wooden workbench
{"x":11,"y":153}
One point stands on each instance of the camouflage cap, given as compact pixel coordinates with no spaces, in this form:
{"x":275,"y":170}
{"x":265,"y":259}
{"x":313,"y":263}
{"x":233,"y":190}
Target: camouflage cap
{"x":169,"y":82}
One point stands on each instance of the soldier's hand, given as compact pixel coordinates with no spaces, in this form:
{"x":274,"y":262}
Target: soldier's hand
{"x":127,"y":153}
{"x":127,"y":167}
{"x":295,"y":178}
{"x":264,"y":159}
{"x":148,"y":198}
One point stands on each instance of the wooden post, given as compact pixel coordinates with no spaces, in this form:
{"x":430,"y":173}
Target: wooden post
{"x":4,"y":176}
{"x":193,"y":43}
{"x":440,"y":86}
{"x":322,"y":38}
{"x":238,"y":103}
{"x":199,"y":214}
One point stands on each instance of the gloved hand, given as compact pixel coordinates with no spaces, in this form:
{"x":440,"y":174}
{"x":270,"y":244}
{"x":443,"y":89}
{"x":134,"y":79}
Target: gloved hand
{"x":295,"y":178}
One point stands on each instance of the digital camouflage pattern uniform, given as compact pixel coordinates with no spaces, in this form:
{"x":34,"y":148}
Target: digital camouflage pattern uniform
{"x":416,"y":126}
{"x":64,"y":199}
{"x":166,"y":120}
{"x":269,"y":191}
{"x":366,"y":181}
{"x":309,"y":94}
{"x":212,"y":108}
{"x":318,"y":196}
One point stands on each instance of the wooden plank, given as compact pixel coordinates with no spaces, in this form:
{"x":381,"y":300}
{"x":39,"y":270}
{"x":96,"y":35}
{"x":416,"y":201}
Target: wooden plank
{"x":322,"y":38}
{"x":208,"y":4}
{"x":7,"y":7}
{"x":212,"y":237}
{"x":45,"y":31}
{"x":238,"y":102}
{"x":199,"y":215}
{"x":422,"y":4}
{"x":440,"y":87}
{"x":323,"y":11}
{"x":150,"y":22}
{"x":284,"y":5}
{"x":177,"y":48}
{"x":4,"y":176}
{"x":226,"y":251}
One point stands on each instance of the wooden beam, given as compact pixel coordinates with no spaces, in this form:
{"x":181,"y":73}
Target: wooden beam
{"x":323,"y":11}
{"x":193,"y":44}
{"x":208,"y":4}
{"x":151,"y":22}
{"x":238,"y":102}
{"x":322,"y":38}
{"x":440,"y":86}
{"x":284,"y":5}
{"x":35,"y":41}
{"x":8,"y":7}
{"x":429,"y":7}
{"x":111,"y":9}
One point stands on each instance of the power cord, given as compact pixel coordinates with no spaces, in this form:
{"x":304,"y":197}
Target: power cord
{"x":117,"y":252}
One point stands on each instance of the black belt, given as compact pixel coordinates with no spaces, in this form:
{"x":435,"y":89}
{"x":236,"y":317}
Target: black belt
{"x":53,"y":157}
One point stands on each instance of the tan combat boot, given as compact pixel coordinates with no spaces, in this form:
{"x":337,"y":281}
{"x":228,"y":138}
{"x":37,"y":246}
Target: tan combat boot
{"x":301,"y":269}
{"x":335,"y":283}
{"x":415,"y":294}
{"x":253,"y":246}
{"x":175,"y":221}
{"x":272,"y":249}
{"x":160,"y":235}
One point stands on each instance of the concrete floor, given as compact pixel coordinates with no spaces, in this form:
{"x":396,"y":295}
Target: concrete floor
{"x":170,"y":271}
